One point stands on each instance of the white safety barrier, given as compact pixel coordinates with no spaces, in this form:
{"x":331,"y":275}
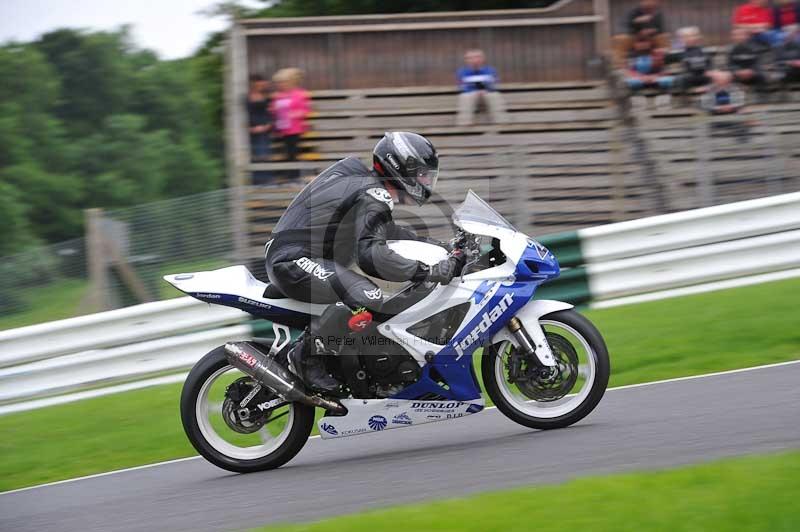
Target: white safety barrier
{"x":694,"y":265}
{"x":113,"y":328}
{"x":692,"y":247}
{"x":104,"y":366}
{"x":686,"y":229}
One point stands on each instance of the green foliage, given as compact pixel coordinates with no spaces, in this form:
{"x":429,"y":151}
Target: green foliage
{"x":13,"y":216}
{"x":88,"y":120}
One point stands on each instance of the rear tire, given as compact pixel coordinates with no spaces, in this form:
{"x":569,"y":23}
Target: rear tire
{"x":302,"y":421}
{"x":602,"y":370}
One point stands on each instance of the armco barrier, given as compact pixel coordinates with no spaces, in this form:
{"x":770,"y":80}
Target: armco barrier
{"x":616,"y":261}
{"x":677,"y":250}
{"x":681,"y":230}
{"x":695,"y":265}
{"x":106,"y":366}
{"x":116,"y":327}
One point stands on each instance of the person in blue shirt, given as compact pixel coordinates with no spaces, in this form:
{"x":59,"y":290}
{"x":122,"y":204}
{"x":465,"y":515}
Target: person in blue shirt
{"x":478,"y":83}
{"x":646,"y":68}
{"x":723,"y":97}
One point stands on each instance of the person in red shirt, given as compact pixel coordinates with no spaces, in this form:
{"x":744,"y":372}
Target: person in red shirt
{"x":786,"y":16}
{"x":755,"y":16}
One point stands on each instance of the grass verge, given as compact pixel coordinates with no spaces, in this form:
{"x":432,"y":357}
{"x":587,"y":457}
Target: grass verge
{"x":53,"y":301}
{"x":717,"y":331}
{"x":755,"y":493}
{"x":61,"y":299}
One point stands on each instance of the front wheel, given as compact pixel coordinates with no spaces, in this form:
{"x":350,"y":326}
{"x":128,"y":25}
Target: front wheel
{"x":263,"y":434}
{"x":550,"y":398}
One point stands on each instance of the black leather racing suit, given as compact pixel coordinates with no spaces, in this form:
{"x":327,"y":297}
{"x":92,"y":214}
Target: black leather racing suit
{"x":344,"y":214}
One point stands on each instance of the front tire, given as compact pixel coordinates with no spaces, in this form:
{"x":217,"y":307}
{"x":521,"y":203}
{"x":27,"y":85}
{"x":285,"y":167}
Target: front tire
{"x":534,"y":408}
{"x":201,"y":414}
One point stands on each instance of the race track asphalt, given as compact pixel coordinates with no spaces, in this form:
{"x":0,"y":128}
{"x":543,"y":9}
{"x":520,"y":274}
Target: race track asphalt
{"x":654,"y":426}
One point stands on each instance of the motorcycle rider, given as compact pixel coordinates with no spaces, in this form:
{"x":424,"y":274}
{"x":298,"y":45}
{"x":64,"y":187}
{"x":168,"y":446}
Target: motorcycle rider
{"x":345,"y":213}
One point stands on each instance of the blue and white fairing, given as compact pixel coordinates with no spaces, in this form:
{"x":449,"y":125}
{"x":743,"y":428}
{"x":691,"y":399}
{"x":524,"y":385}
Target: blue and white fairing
{"x":495,"y":295}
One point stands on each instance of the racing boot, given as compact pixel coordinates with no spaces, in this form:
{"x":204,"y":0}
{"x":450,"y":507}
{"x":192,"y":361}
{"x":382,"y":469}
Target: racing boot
{"x":305,"y":360}
{"x":320,"y":340}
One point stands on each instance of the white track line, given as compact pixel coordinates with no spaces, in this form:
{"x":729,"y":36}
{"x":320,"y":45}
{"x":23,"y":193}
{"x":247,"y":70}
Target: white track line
{"x":188,"y":458}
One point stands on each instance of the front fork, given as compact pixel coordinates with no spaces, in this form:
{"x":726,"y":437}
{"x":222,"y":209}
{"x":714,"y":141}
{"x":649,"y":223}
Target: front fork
{"x":533,"y":341}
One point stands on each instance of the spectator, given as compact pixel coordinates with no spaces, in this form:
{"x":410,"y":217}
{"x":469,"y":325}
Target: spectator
{"x":259,"y":117}
{"x":756,"y":18}
{"x":478,"y":82}
{"x":260,"y":124}
{"x":643,"y":21}
{"x":696,"y":61}
{"x":788,"y":58}
{"x":744,"y":60}
{"x":785,"y":18}
{"x":646,"y":20}
{"x":723,"y":97}
{"x":646,"y":68}
{"x":291,"y":107}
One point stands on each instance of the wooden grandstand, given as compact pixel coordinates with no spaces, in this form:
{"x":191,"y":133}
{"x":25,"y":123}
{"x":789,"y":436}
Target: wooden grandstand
{"x":570,"y":155}
{"x":557,"y":146}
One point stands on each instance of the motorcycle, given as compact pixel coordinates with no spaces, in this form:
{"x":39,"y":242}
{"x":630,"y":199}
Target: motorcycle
{"x":542,"y":364}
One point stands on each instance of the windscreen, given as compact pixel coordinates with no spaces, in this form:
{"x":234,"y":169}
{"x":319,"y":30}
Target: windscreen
{"x":474,"y":209}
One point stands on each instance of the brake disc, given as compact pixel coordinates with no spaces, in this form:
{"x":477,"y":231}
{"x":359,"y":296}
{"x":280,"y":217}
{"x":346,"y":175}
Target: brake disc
{"x":547,"y":384}
{"x":247,"y":419}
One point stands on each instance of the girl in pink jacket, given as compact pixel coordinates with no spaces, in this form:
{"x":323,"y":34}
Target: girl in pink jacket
{"x":290,"y":107}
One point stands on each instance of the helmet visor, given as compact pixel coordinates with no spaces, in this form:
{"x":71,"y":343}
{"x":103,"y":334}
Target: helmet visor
{"x":424,"y":179}
{"x":428,"y":176}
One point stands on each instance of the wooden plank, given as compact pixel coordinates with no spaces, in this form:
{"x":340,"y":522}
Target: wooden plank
{"x":395,"y":17}
{"x":426,"y":26}
{"x":452,"y":89}
{"x":97,"y":262}
{"x":452,"y":106}
{"x":565,"y":119}
{"x":411,"y":101}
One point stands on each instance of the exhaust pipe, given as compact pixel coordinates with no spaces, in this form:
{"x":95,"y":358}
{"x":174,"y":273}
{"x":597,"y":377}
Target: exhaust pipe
{"x":250,"y":360}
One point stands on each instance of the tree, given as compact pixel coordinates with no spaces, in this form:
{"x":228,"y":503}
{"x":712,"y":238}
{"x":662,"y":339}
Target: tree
{"x":88,"y":120}
{"x":96,"y":75}
{"x":17,"y":233}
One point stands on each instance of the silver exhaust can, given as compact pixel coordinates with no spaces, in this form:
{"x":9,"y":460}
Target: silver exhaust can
{"x":247,"y":358}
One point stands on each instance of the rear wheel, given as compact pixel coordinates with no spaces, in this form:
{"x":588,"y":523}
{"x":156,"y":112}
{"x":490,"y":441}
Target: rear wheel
{"x":262,"y":434}
{"x":550,"y":398}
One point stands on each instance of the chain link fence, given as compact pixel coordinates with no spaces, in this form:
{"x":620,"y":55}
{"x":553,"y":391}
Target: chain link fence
{"x":139,"y":244}
{"x":49,"y":277}
{"x":192,"y":233}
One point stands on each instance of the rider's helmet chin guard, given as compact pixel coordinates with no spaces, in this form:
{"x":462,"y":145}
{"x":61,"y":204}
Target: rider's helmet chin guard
{"x":408,"y":161}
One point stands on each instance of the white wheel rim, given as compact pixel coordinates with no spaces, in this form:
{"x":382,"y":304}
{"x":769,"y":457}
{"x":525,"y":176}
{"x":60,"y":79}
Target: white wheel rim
{"x":552,"y":409}
{"x":203,"y":410}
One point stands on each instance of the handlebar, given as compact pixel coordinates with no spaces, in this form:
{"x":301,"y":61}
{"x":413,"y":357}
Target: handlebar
{"x":466,"y":242}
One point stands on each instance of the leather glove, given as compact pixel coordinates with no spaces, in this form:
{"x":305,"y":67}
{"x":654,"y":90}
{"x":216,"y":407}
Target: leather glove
{"x":444,"y":271}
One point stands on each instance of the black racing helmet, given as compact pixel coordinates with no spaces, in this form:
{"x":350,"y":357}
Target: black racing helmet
{"x":410,"y":160}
